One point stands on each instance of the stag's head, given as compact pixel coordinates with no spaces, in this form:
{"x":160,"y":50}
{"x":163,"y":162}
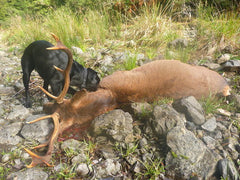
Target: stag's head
{"x":59,"y":109}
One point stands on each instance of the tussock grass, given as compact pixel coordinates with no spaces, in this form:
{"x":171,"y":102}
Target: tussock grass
{"x":152,"y":28}
{"x":24,"y":30}
{"x":214,"y":25}
{"x":212,"y":103}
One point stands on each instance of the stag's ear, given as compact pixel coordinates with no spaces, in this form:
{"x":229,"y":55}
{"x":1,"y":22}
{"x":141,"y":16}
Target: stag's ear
{"x":76,"y":99}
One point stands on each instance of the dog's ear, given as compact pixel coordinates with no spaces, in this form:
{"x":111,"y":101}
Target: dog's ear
{"x":77,"y":67}
{"x":92,"y":76}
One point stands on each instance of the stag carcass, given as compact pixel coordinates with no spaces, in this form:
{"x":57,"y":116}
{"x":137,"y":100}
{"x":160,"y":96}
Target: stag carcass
{"x":152,"y":81}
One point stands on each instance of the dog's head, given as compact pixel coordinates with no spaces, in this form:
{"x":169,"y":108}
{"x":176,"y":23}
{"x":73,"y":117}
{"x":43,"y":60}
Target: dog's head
{"x":92,"y":80}
{"x":84,"y":77}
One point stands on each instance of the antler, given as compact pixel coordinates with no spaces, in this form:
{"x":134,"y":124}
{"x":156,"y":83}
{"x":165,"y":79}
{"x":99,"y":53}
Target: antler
{"x":44,"y":159}
{"x":65,"y":72}
{"x":36,"y":159}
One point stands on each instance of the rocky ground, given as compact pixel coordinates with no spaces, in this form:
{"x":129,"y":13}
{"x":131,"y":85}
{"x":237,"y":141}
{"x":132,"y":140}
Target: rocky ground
{"x":163,"y":140}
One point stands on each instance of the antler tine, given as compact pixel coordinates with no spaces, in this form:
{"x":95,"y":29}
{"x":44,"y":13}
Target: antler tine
{"x":65,"y":72}
{"x":36,"y":159}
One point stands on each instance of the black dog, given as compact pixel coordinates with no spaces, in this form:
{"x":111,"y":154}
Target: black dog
{"x":37,"y":57}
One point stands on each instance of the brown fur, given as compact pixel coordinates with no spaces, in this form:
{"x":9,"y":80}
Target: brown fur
{"x":149,"y":82}
{"x":163,"y":78}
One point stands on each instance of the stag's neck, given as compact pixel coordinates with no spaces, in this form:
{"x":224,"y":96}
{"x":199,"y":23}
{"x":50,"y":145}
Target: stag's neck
{"x":89,"y":105}
{"x":84,"y":106}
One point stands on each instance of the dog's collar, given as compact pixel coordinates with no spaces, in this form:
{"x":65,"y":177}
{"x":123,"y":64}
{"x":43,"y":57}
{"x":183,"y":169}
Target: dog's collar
{"x":84,"y":84}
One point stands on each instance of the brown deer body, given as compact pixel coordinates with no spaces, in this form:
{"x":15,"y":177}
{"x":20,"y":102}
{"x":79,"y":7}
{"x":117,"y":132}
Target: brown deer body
{"x":163,"y":78}
{"x":158,"y":79}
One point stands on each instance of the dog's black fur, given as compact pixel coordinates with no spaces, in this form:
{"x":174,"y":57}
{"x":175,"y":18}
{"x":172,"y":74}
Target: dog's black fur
{"x":37,"y":57}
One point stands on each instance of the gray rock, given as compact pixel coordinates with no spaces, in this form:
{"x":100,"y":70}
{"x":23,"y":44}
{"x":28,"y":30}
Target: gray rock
{"x":165,"y":118}
{"x":210,"y":125}
{"x":38,"y":131}
{"x":223,"y":58}
{"x":116,"y":125}
{"x":143,"y":143}
{"x":5,"y":158}
{"x":188,"y":155}
{"x":181,"y":141}
{"x":141,"y":109}
{"x":107,"y":64}
{"x":191,"y":108}
{"x":107,"y":152}
{"x":147,"y":156}
{"x":2,"y":122}
{"x":107,"y":61}
{"x":80,"y":158}
{"x":18,"y":164}
{"x":3,"y":54}
{"x":74,"y":145}
{"x":227,"y":170}
{"x":217,"y":135}
{"x":137,"y":168}
{"x":77,"y":50}
{"x":199,"y":133}
{"x":120,"y":56}
{"x":25,"y":155}
{"x":107,"y":168}
{"x":29,"y":174}
{"x":223,"y":112}
{"x":235,"y":98}
{"x":19,"y":112}
{"x":227,"y":49}
{"x":82,"y":169}
{"x":191,"y":126}
{"x":91,"y":50}
{"x":209,"y":141}
{"x":131,"y":160}
{"x":213,"y":66}
{"x":59,"y":167}
{"x":18,"y":86}
{"x":6,"y":90}
{"x":140,"y":57}
{"x":8,"y":134}
{"x":230,"y":65}
{"x":237,"y":115}
{"x":221,"y":126}
{"x":1,"y":111}
{"x":231,"y":144}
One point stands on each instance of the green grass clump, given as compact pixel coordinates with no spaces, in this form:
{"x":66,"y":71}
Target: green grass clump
{"x":4,"y":172}
{"x":152,"y":169}
{"x":182,"y":54}
{"x":130,"y":63}
{"x":66,"y":172}
{"x":214,"y":25}
{"x":212,"y":103}
{"x":130,"y":150}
